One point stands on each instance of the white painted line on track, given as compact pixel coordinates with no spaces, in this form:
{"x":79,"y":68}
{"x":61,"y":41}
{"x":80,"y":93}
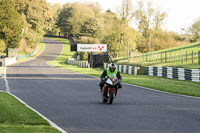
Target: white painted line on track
{"x":6,"y":81}
{"x":136,"y":85}
{"x":50,"y":122}
{"x":8,"y":91}
{"x":162,"y":91}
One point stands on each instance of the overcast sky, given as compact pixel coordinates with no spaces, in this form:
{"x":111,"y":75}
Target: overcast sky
{"x":181,"y":13}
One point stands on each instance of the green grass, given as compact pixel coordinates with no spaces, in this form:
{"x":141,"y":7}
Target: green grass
{"x":17,"y":118}
{"x":157,"y":83}
{"x":141,"y":60}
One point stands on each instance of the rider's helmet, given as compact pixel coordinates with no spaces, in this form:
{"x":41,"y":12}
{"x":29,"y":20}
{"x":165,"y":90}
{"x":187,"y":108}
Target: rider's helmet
{"x":112,"y":67}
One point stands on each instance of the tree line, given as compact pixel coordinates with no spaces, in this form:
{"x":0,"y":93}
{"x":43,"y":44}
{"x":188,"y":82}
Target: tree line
{"x":24,"y":22}
{"x":86,"y":21}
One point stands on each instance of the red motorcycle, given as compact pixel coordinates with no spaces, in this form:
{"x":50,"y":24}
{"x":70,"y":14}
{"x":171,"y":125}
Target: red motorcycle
{"x":110,"y":89}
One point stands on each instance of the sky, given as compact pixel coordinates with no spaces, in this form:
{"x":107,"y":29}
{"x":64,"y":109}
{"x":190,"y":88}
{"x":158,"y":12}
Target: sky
{"x":180,"y":13}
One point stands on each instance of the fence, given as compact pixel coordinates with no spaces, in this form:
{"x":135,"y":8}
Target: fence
{"x":73,"y":61}
{"x":125,"y":69}
{"x":174,"y":73}
{"x":186,"y":56}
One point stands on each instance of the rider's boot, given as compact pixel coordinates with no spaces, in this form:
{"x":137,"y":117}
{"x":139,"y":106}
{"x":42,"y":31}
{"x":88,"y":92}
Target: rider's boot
{"x":100,"y":89}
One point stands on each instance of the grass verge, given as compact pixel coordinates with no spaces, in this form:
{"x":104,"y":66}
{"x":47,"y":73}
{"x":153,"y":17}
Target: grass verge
{"x":15,"y":117}
{"x":157,"y":83}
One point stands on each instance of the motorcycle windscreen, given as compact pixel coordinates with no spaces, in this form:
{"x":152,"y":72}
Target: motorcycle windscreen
{"x":109,"y":82}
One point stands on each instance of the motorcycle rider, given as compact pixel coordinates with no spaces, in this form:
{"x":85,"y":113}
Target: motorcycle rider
{"x":111,"y":70}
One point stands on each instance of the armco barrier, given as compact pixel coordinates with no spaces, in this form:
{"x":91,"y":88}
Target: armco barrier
{"x":73,"y":61}
{"x":174,"y":73}
{"x":125,"y":69}
{"x":27,"y":55}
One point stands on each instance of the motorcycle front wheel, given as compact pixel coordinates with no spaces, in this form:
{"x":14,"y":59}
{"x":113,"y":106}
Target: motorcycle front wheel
{"x":111,"y":97}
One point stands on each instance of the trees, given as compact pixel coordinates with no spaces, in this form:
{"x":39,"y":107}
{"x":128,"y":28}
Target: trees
{"x":111,"y":31}
{"x":37,"y":19}
{"x":55,"y":10}
{"x":149,"y":19}
{"x":126,"y":14}
{"x":73,"y":16}
{"x":114,"y":28}
{"x":91,"y":27}
{"x":10,"y":24}
{"x":195,"y":30}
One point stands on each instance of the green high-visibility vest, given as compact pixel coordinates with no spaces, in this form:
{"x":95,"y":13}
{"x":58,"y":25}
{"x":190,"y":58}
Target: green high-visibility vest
{"x":110,"y":74}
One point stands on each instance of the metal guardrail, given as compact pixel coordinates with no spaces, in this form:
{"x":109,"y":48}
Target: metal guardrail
{"x":174,"y":73}
{"x":27,"y":55}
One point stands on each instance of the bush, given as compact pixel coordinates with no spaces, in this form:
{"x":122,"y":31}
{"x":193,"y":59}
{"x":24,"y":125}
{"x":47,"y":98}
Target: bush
{"x":88,"y":40}
{"x":2,"y":46}
{"x":30,"y":38}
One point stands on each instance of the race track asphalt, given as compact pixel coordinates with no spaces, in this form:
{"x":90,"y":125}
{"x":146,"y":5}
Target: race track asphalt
{"x":73,"y":102}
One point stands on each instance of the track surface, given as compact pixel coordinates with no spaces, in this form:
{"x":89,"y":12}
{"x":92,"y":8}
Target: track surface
{"x":73,"y":102}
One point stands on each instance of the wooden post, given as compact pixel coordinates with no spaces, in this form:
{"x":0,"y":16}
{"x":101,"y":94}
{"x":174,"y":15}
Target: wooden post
{"x":186,"y":56}
{"x":192,"y":57}
{"x":175,"y":57}
{"x":157,"y":56}
{"x":170,"y":57}
{"x":180,"y":57}
{"x":165,"y":57}
{"x":199,"y":56}
{"x":161,"y":57}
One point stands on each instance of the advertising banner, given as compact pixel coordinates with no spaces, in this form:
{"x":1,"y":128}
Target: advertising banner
{"x":92,"y":47}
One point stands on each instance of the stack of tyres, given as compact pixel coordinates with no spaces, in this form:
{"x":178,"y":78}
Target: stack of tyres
{"x":164,"y":72}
